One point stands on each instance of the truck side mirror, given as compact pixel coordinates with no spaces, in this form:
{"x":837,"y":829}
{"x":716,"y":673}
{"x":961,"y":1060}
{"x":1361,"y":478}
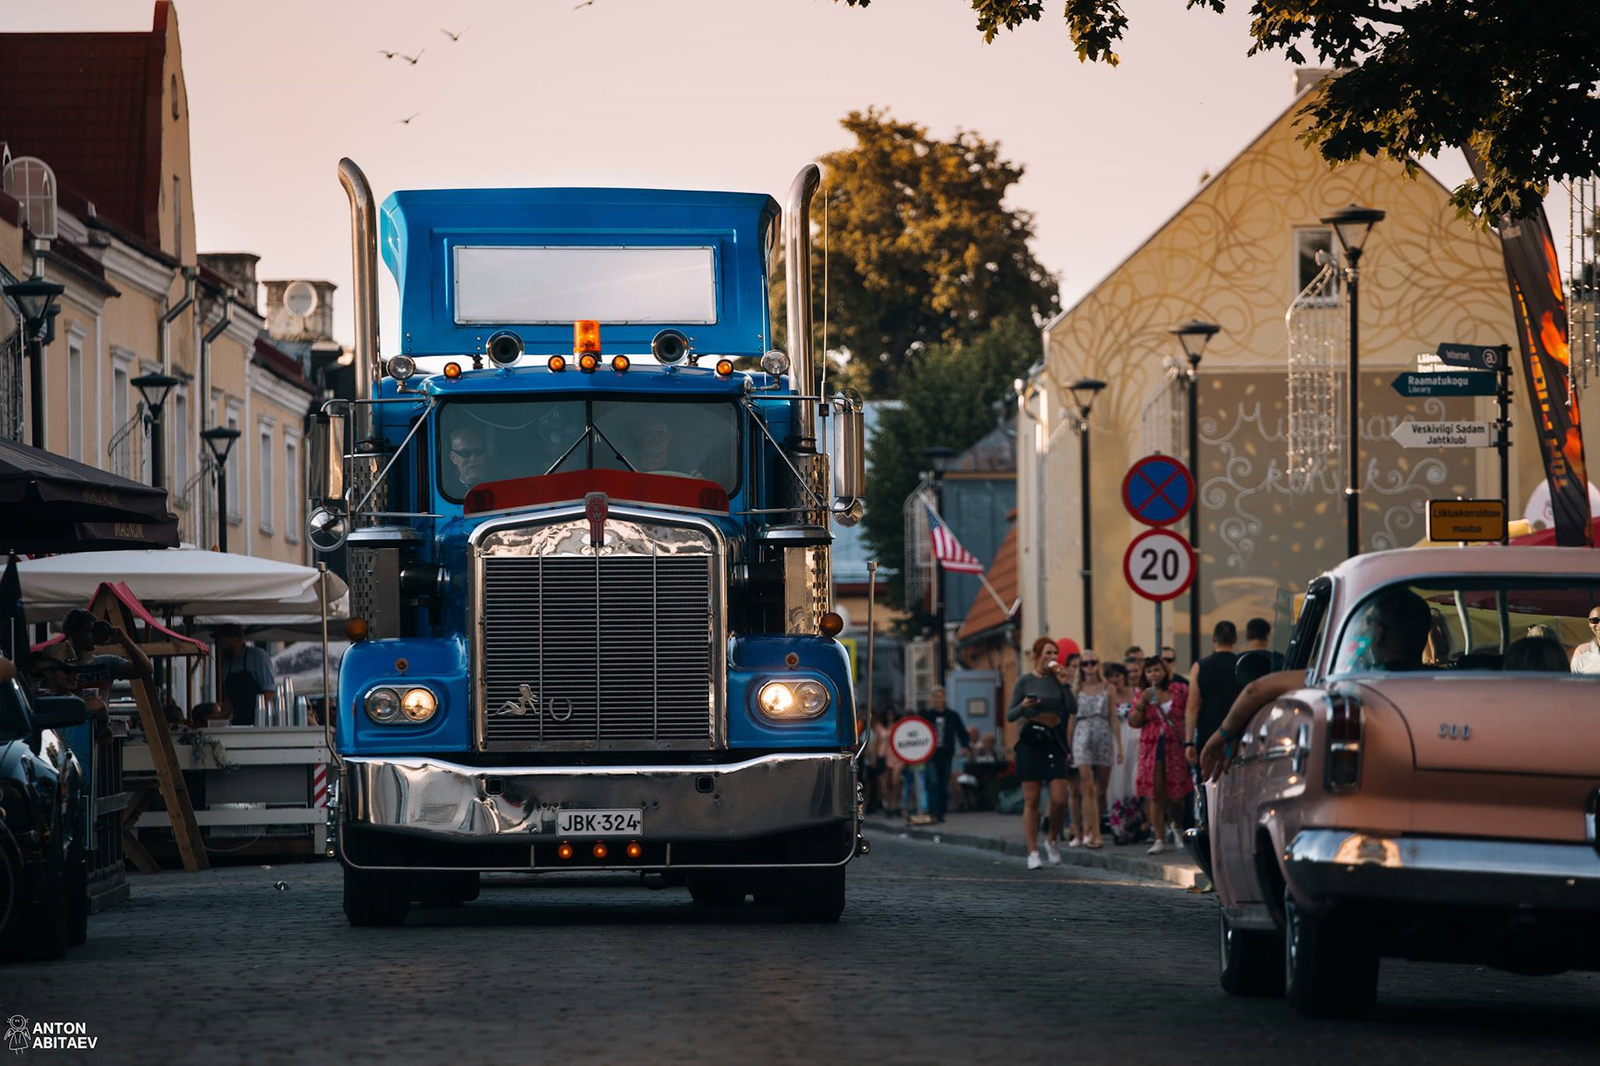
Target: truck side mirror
{"x":58,"y":712}
{"x":326,"y":480}
{"x":849,"y":458}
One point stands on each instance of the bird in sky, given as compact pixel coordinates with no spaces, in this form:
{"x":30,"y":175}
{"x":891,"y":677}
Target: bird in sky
{"x":387,"y":54}
{"x":453,"y":36}
{"x":407,"y":120}
{"x":413,"y":59}
{"x":585,"y":3}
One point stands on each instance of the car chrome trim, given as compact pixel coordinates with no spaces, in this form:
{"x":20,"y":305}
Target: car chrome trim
{"x":1326,"y":864}
{"x":449,"y":802}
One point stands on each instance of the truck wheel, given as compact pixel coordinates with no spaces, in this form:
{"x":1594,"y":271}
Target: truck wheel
{"x":1250,"y":963}
{"x":712,"y":889}
{"x":376,"y":897}
{"x":75,"y":881}
{"x":1330,"y":967}
{"x":814,"y":895}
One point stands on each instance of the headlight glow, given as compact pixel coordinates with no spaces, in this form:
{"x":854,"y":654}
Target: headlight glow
{"x":419,"y":704}
{"x":383,"y":705}
{"x":793,"y":699}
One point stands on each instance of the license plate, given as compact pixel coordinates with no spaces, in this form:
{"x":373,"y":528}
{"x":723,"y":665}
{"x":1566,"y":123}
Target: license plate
{"x":600,"y":823}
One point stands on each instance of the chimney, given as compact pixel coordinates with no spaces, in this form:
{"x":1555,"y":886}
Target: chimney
{"x":240,"y":270}
{"x":1308,"y":77}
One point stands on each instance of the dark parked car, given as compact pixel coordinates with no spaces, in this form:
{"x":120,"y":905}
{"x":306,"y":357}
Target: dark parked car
{"x":44,"y":890}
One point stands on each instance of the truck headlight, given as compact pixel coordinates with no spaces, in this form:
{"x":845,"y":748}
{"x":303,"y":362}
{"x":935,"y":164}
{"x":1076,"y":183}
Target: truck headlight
{"x":383,"y":705}
{"x":418,"y":704}
{"x":793,"y":699}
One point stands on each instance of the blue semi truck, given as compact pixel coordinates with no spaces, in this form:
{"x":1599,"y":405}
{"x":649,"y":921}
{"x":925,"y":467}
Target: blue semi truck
{"x":591,"y":601}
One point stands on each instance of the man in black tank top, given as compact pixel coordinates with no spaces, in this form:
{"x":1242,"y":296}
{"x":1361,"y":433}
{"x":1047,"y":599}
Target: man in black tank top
{"x":1213,"y":686}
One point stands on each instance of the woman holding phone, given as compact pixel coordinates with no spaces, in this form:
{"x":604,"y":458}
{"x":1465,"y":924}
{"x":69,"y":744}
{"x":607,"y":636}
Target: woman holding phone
{"x":1043,"y":706}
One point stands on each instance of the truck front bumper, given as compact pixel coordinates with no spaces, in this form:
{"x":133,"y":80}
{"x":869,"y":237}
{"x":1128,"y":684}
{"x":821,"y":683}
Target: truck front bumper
{"x":443,"y":815}
{"x":1328,"y":865}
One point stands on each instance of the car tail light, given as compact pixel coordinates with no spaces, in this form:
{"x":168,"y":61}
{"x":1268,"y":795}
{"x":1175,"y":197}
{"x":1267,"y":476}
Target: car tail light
{"x":1344,"y":742}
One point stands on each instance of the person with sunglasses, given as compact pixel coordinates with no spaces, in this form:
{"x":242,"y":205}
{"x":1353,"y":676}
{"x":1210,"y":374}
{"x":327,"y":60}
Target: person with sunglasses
{"x":1586,"y":659}
{"x":469,"y":454}
{"x":1093,"y":737}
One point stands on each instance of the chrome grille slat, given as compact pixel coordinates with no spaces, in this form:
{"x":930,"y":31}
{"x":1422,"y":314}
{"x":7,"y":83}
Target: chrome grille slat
{"x":623,"y":645}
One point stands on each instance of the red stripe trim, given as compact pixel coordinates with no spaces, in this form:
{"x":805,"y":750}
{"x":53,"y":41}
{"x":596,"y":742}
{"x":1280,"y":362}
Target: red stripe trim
{"x":664,"y":489}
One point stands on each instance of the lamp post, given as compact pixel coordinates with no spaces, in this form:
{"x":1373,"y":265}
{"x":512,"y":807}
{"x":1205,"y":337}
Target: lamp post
{"x":1352,"y":225}
{"x":1084,"y":390}
{"x":1194,"y":335}
{"x":36,"y":298}
{"x":155,"y":387}
{"x":219,"y":439}
{"x":938,"y":458}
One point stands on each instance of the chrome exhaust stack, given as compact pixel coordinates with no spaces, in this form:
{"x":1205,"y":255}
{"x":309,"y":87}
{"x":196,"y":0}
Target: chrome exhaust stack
{"x":797,"y":266}
{"x":364,"y":276}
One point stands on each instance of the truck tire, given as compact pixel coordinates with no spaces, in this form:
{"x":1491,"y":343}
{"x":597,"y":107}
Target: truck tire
{"x":813,"y":896}
{"x":1250,"y":963}
{"x":1330,"y":967}
{"x":715,"y":889}
{"x":376,"y":897}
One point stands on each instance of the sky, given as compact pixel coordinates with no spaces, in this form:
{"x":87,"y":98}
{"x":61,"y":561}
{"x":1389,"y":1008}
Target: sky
{"x":719,"y":94}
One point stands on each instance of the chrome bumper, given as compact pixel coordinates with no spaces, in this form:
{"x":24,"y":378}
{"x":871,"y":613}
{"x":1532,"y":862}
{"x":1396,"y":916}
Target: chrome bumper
{"x":468,"y":804}
{"x":1323,"y":865}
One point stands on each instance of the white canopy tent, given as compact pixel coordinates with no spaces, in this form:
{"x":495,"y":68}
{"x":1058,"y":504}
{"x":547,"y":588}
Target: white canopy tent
{"x":180,"y":582}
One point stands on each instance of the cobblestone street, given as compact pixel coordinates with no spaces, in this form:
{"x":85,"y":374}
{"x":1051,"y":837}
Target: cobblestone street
{"x":945,"y":954}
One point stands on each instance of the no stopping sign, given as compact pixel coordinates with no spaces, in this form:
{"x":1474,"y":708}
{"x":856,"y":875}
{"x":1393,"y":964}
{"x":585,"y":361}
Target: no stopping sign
{"x":1159,"y":565}
{"x":912,"y":740}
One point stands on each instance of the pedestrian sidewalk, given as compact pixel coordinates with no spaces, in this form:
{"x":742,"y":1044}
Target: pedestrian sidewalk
{"x":1003,"y":833}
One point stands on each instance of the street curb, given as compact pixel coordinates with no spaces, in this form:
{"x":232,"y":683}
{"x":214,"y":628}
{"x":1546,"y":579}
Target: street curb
{"x":1182,"y":874}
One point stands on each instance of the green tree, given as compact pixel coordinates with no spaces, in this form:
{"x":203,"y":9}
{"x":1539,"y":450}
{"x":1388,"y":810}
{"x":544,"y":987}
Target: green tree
{"x":921,"y":248}
{"x":946,"y":398}
{"x":1512,"y":80}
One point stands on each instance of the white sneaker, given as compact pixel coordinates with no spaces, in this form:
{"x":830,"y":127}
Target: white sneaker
{"x":1157,"y":848}
{"x":1051,"y":854}
{"x":1074,"y":842}
{"x":1033,"y":860}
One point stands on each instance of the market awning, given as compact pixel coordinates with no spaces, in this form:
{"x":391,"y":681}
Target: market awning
{"x":177,"y":583}
{"x":49,"y":503}
{"x":155,"y":632}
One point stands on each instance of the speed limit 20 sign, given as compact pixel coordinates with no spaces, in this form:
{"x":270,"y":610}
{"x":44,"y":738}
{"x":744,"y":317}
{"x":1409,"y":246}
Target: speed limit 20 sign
{"x":1159,"y":565}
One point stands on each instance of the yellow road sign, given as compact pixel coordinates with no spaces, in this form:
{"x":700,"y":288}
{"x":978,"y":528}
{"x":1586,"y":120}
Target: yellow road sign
{"x":1466,"y":520}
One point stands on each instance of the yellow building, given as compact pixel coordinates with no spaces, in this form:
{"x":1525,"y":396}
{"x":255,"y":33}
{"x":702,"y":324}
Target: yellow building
{"x":137,"y":300}
{"x":1240,"y":253}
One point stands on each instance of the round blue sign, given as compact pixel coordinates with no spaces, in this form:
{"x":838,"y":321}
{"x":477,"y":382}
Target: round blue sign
{"x":1158,"y":490}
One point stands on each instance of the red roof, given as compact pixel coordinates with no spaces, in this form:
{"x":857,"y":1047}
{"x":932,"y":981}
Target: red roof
{"x":89,"y":105}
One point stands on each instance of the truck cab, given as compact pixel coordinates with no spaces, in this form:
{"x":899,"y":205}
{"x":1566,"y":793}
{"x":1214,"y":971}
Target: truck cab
{"x":588,"y":552}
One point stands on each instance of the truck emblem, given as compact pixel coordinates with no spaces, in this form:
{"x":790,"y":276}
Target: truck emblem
{"x":527,"y":702}
{"x":596,"y":507}
{"x":1455,"y":732}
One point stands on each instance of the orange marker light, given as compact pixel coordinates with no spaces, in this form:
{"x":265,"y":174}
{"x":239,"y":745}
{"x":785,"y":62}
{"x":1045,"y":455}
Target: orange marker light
{"x":557,"y":363}
{"x":564,"y":851}
{"x":832,"y":624}
{"x":585,"y":336}
{"x":724,"y":367}
{"x":587,"y":362}
{"x":356,"y":629}
{"x":620,"y":362}
{"x":600,"y":849}
{"x":634,"y":849}
{"x":452,"y":370}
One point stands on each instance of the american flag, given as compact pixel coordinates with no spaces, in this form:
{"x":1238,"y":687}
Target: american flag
{"x":948,"y":550}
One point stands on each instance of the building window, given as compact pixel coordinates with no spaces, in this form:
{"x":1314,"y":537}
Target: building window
{"x":122,"y":449}
{"x":291,"y":489}
{"x":264,"y":479}
{"x":1307,"y":243}
{"x":235,"y":471}
{"x":75,"y":398}
{"x":179,"y":438}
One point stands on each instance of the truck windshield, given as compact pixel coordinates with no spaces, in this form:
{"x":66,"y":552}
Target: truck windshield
{"x":492,"y":440}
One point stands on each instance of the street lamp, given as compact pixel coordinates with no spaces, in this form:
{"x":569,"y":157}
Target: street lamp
{"x":36,"y":298}
{"x":154,"y":388}
{"x":938,"y":459}
{"x":1352,"y":225}
{"x":219,"y":439}
{"x":1084,"y":390}
{"x":1194,"y":335}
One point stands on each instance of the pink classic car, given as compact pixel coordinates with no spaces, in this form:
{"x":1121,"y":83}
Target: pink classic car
{"x":1426,"y":788}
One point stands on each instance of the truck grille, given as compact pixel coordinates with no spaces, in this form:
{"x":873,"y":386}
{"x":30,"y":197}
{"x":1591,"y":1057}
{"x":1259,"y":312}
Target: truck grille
{"x":608,"y":652}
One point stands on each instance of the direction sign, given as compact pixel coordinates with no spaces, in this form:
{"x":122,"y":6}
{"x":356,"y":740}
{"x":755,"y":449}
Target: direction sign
{"x":1479,"y":356}
{"x":1443,"y":434}
{"x":1466,"y":520}
{"x":1450,"y":383}
{"x":1158,"y":490}
{"x":1159,"y":565}
{"x":911,"y":739}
